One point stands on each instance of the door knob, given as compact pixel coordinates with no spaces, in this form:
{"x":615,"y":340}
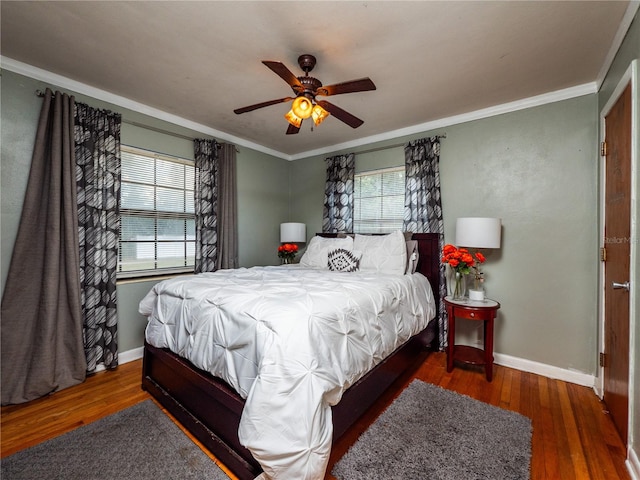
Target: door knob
{"x":624,"y":285}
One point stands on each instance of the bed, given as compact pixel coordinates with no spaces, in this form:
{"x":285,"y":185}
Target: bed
{"x":212,"y":409}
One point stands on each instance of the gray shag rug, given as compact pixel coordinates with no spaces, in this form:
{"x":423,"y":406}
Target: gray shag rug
{"x":138,"y":443}
{"x":432,"y":433}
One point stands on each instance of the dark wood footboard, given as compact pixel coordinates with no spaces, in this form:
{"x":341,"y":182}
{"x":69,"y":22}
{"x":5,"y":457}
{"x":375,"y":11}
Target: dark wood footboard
{"x":206,"y":406}
{"x":210,"y":409}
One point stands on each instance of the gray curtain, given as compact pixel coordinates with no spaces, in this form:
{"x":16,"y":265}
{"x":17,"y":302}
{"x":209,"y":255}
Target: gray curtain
{"x":97,"y":151}
{"x":206,"y":205}
{"x":227,"y":208}
{"x":337,"y":214}
{"x":41,"y":313}
{"x":423,"y":206}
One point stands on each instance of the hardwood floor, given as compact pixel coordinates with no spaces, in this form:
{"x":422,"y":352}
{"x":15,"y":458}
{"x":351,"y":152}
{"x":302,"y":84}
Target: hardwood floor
{"x":573,"y":435}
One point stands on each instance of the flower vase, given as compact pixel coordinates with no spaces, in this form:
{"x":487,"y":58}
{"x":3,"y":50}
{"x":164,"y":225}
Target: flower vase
{"x":286,"y":260}
{"x":458,"y":286}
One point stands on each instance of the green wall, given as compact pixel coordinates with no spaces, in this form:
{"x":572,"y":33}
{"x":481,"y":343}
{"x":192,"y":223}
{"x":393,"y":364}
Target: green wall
{"x":263,"y":195}
{"x":537,"y":170}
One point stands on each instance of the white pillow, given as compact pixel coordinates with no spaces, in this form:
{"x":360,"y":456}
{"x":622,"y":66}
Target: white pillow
{"x":316,"y":254}
{"x":382,"y":253}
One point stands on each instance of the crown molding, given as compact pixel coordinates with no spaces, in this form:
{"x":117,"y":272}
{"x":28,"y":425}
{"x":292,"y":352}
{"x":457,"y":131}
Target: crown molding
{"x":538,"y":100}
{"x":84,"y":89}
{"x":623,"y":28}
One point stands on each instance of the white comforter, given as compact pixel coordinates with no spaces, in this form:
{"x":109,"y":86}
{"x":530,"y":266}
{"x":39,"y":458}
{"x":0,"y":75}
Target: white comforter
{"x":290,"y":340}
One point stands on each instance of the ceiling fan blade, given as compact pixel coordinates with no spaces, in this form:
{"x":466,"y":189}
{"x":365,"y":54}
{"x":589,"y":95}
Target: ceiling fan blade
{"x":292,"y":129}
{"x":359,"y":85}
{"x":261,"y":105}
{"x":283,"y":72}
{"x":340,"y":114}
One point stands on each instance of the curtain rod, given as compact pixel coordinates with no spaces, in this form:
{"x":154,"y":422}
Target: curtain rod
{"x":388,"y":147}
{"x":40,"y":93}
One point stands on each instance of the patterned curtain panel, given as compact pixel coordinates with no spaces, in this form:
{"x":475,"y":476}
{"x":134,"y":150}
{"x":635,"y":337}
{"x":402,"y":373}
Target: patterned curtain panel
{"x":41,"y":316}
{"x":206,"y":205}
{"x":423,"y":206}
{"x":337,"y":214}
{"x":97,"y":150}
{"x":227,"y":208}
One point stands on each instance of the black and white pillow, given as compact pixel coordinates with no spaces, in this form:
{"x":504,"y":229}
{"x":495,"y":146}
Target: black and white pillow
{"x":315,"y":255}
{"x":342,"y":260}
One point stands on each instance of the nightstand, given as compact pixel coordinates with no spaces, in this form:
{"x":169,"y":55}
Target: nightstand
{"x":484,"y":311}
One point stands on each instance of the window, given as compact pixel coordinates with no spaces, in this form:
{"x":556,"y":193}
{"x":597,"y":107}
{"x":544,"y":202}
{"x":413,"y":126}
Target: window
{"x":379,"y":201}
{"x":157,"y":216}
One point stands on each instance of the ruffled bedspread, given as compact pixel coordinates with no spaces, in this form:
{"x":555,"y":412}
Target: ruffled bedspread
{"x":290,"y":340}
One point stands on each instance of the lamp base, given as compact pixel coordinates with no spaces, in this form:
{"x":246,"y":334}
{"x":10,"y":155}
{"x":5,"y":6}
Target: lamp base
{"x":476,"y":295}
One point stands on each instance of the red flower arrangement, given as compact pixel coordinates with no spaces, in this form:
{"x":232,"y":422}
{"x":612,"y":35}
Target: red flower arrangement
{"x":287,"y":252}
{"x":461,"y":261}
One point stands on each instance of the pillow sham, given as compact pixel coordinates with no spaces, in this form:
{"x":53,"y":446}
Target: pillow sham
{"x":315,"y":256}
{"x":341,"y":260}
{"x":382,"y":253}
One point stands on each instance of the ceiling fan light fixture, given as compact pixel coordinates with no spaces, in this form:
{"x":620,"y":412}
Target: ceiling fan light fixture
{"x":305,"y":89}
{"x":302,"y":107}
{"x":293,"y":119}
{"x":318,"y":114}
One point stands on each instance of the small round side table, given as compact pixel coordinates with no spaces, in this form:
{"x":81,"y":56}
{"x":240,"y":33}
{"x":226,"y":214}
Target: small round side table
{"x":484,"y":311}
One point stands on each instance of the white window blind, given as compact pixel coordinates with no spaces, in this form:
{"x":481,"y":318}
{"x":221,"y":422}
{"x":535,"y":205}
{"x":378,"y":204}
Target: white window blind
{"x":157,"y":216}
{"x":379,"y":201}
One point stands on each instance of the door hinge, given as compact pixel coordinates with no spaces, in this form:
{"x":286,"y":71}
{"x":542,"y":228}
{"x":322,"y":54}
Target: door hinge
{"x":603,"y":359}
{"x":603,"y":149}
{"x":603,"y":254}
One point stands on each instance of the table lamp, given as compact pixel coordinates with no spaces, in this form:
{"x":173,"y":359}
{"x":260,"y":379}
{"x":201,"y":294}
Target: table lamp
{"x":293,"y":232}
{"x":478,"y":233}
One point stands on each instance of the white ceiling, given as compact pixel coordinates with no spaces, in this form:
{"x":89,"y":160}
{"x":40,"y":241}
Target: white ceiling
{"x":430,"y":60}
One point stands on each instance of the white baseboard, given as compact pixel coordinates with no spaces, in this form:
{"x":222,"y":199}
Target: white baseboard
{"x":545,"y":370}
{"x":530,"y":366}
{"x":633,"y":464}
{"x":125,"y":357}
{"x":131,"y":355}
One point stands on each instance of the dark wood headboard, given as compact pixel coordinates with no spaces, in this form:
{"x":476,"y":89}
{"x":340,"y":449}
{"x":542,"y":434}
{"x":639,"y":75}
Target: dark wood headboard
{"x":429,"y":260}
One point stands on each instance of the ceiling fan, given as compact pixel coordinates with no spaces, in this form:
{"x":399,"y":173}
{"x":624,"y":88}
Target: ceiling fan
{"x":306,"y":89}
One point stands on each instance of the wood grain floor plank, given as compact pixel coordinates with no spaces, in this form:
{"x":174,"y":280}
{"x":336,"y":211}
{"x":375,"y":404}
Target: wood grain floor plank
{"x":595,"y":427}
{"x":573,"y":436}
{"x":498,"y":385}
{"x":547,"y":465}
{"x":576,"y":448}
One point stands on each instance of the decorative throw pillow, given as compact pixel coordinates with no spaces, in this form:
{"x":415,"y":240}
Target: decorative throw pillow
{"x":315,"y":256}
{"x":341,"y":260}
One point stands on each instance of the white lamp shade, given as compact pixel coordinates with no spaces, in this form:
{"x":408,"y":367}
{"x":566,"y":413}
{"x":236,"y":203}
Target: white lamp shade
{"x":293,"y":232}
{"x":478,"y":232}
